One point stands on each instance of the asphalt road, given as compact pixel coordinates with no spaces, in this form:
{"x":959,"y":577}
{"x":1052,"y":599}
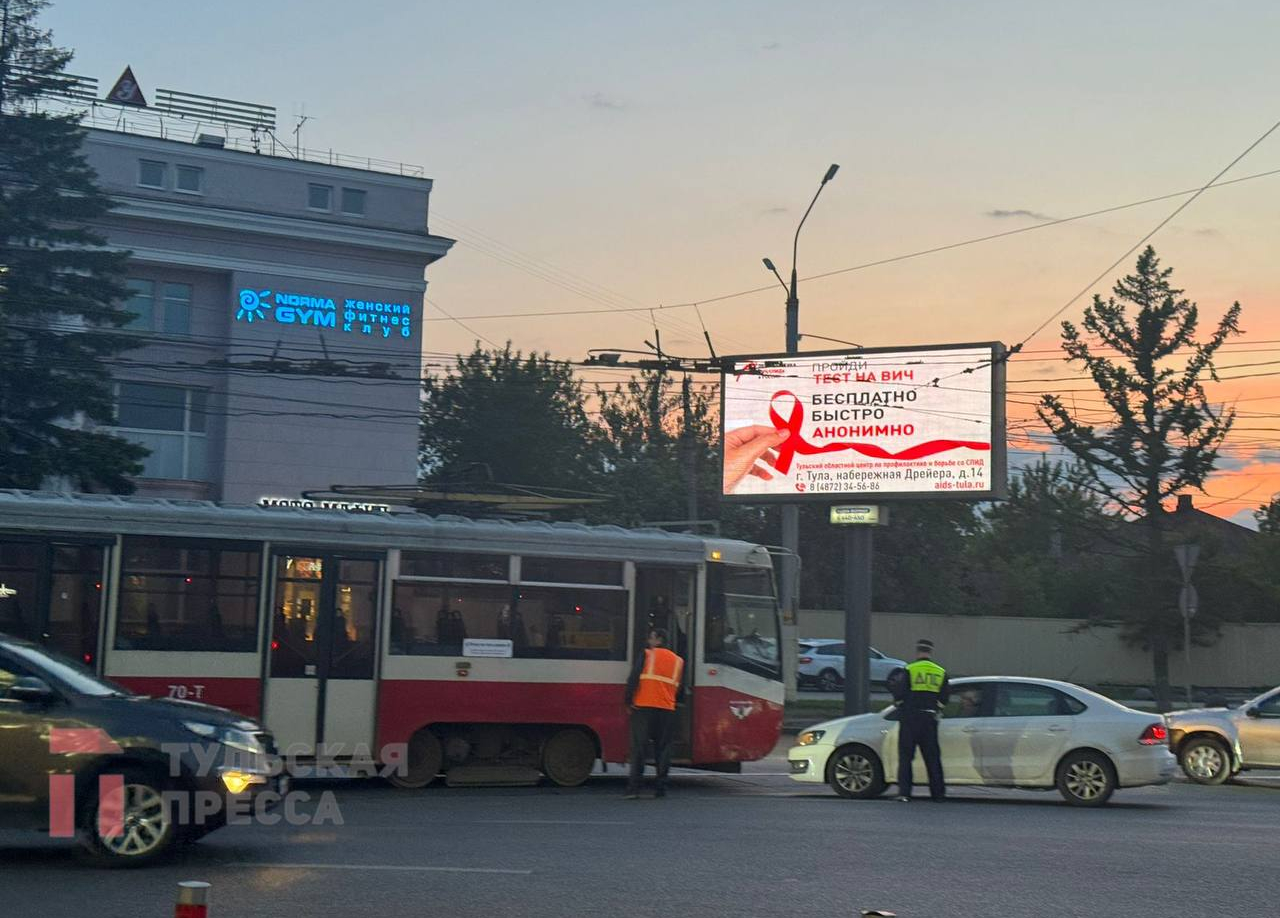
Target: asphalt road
{"x":755,"y":844}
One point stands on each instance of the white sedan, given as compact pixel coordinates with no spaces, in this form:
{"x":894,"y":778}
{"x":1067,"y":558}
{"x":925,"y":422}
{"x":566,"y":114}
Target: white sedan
{"x":1000,"y":732}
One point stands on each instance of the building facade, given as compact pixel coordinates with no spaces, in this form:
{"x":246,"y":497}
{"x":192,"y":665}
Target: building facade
{"x":279,"y":316}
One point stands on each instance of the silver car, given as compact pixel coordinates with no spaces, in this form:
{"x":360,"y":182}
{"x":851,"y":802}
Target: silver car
{"x":1212,"y":744}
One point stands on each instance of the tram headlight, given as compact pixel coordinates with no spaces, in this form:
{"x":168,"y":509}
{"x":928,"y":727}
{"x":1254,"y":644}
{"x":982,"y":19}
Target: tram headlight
{"x":231,"y":737}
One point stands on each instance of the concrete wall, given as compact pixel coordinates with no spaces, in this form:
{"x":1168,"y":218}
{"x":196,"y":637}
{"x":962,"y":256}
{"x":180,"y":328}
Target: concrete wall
{"x":1245,"y":656}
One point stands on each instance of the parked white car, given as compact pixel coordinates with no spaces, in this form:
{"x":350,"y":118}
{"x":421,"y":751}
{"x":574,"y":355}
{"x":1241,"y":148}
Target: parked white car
{"x":821,"y":663}
{"x":1000,"y":731}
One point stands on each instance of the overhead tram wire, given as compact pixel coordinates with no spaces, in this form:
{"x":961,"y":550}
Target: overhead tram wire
{"x":1137,"y":245}
{"x":706,"y":301}
{"x":610,"y":295}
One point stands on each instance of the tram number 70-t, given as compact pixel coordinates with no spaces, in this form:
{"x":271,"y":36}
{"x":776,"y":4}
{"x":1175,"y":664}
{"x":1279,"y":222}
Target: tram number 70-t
{"x":183,"y":692}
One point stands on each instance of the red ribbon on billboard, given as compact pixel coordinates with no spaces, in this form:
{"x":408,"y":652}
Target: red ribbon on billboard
{"x":796,"y":443}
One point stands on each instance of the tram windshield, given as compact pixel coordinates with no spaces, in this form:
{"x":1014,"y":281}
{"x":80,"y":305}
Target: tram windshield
{"x":742,"y":619}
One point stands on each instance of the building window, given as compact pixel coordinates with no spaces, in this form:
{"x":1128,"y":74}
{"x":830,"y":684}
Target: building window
{"x":189,"y":179}
{"x":182,"y":595}
{"x":320,"y":197}
{"x":159,"y":307}
{"x":353,"y":201}
{"x":171,"y":422}
{"x":151,"y":173}
{"x":177,"y":309}
{"x":142,"y":303}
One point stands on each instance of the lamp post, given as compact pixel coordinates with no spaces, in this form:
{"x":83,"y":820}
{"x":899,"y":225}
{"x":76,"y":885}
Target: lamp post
{"x":791,"y":512}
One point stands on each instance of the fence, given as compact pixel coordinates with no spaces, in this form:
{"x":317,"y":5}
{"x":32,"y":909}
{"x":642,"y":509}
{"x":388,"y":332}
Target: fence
{"x":1245,"y":656}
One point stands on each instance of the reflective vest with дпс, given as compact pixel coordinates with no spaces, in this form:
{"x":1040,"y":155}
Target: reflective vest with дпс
{"x":658,"y":685}
{"x":926,"y":683}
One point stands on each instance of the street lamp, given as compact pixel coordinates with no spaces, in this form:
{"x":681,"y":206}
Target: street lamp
{"x":793,"y":296}
{"x":790,"y":512}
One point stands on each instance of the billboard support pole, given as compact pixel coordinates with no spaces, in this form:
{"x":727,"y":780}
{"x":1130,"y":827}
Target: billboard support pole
{"x":790,"y":580}
{"x":858,"y":547}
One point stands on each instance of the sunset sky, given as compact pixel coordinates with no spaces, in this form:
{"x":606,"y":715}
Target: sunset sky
{"x":602,"y":156}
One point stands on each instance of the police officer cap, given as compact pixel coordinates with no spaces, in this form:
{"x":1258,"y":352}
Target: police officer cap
{"x":925,"y":646}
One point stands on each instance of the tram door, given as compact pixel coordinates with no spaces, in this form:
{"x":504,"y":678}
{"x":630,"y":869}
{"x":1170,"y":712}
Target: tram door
{"x":664,"y":599}
{"x":320,"y":688}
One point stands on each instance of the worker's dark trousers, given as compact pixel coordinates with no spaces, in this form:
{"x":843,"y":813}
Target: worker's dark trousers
{"x":651,"y":725}
{"x":919,"y":730}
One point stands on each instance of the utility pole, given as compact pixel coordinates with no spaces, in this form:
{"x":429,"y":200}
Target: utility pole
{"x":690,"y":446}
{"x":790,"y":579}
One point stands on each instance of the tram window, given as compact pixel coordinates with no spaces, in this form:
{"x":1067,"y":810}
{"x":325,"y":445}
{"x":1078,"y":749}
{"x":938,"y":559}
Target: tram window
{"x":572,"y":623}
{"x":433,"y":619}
{"x":183,"y":596}
{"x":454,"y":565}
{"x":570,"y":570}
{"x":19,"y":562}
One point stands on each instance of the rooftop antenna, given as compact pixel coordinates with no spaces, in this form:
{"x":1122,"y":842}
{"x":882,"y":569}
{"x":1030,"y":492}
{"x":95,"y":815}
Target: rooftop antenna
{"x":303,"y":118}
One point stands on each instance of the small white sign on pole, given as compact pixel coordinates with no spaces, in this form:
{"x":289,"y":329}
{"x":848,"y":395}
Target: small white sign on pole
{"x":478,"y":647}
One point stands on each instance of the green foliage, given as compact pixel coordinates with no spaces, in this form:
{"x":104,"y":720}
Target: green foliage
{"x":1041,"y":551}
{"x":1161,"y":435}
{"x":1268,"y":517}
{"x":58,"y":288}
{"x":522,"y":418}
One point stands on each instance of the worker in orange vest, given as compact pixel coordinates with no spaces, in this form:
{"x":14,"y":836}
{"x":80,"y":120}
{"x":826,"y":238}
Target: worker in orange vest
{"x":654,"y":689}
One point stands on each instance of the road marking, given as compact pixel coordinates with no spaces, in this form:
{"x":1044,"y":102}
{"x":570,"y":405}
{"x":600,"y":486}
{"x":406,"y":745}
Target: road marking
{"x":553,"y":822}
{"x":411,"y":868}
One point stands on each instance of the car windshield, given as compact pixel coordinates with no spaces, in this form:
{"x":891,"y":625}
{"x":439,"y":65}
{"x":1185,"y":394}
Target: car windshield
{"x":73,"y":675}
{"x":1259,"y":700}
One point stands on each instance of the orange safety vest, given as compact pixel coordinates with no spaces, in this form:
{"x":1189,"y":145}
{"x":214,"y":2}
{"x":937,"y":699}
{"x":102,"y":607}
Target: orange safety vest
{"x":659,"y":680}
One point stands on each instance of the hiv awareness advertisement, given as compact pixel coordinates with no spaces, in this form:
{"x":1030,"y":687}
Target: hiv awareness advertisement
{"x":872,"y":424}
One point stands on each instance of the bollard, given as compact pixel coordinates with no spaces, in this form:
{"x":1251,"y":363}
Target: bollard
{"x":193,"y":900}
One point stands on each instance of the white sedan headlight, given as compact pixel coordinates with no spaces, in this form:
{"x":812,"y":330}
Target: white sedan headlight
{"x":810,"y":737}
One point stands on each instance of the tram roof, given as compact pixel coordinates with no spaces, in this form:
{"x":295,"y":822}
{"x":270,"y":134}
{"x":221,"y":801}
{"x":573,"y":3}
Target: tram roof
{"x":109,"y":514}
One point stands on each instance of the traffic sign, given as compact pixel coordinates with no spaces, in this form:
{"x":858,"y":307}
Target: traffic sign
{"x":1186,"y":555}
{"x":859,"y":515}
{"x":1188,"y":601}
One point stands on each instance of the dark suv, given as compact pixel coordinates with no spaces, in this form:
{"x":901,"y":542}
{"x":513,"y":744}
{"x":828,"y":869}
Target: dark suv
{"x":126,"y":775}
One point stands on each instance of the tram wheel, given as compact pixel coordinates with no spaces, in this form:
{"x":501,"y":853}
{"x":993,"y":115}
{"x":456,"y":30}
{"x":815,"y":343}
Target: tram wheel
{"x":568,"y":757}
{"x":423,"y":762}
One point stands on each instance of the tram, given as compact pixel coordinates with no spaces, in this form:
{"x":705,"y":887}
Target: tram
{"x":476,"y":647}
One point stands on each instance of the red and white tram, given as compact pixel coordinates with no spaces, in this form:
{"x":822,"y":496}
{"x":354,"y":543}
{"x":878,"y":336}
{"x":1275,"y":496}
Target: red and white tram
{"x":482,"y":645}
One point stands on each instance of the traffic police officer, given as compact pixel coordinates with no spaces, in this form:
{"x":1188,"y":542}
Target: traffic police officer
{"x":921,"y":689}
{"x":654,"y":689}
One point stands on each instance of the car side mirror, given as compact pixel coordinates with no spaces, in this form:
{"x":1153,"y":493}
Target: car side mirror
{"x":32,"y":690}
{"x":1253,"y":712}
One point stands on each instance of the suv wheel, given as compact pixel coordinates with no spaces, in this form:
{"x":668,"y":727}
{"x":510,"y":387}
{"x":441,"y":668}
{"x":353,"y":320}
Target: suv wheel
{"x":829,"y":681}
{"x":147,"y":828}
{"x":1205,"y":760}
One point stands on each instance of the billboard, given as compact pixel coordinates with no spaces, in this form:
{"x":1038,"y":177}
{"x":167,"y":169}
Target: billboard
{"x":872,"y":425}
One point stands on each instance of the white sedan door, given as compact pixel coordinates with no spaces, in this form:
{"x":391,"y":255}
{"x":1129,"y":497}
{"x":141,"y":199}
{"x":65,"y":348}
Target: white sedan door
{"x":1027,"y":733}
{"x":959,"y":739}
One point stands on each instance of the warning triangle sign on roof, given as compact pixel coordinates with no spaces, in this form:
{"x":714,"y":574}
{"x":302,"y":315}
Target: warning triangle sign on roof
{"x":127,"y":91}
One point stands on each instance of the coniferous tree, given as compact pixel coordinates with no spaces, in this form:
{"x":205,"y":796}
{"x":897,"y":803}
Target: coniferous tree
{"x":58,"y":286}
{"x":1162,"y":434}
